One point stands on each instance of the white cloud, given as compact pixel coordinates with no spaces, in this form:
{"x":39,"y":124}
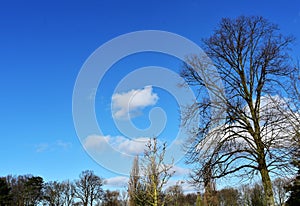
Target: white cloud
{"x":118,"y":181}
{"x":119,"y":143}
{"x":132,"y":146}
{"x":95,"y":142}
{"x":130,"y":104}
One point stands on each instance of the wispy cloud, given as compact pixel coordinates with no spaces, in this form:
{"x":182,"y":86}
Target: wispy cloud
{"x":130,"y":104}
{"x":41,"y":147}
{"x":63,"y":144}
{"x":123,"y":145}
{"x":59,"y":144}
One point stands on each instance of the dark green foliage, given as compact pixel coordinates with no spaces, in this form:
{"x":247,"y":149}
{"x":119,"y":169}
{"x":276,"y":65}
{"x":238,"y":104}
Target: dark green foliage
{"x":258,"y":196}
{"x":25,"y":190}
{"x":33,"y":190}
{"x":5,"y":197}
{"x":294,"y":199}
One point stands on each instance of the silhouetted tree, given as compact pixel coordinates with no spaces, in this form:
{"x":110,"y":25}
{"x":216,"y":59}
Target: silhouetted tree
{"x":228,"y":197}
{"x":110,"y":198}
{"x":26,"y":189}
{"x":258,"y":196}
{"x":59,"y":193}
{"x":279,"y":188}
{"x":5,"y":196}
{"x":174,"y":195}
{"x":88,"y":188}
{"x":294,"y":198}
{"x":33,"y":189}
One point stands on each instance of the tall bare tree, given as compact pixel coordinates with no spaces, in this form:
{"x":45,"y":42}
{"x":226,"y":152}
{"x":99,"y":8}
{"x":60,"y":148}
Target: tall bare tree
{"x":240,"y":130}
{"x":88,"y":188}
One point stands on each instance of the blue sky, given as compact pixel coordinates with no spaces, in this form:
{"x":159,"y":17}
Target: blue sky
{"x":43,"y":45}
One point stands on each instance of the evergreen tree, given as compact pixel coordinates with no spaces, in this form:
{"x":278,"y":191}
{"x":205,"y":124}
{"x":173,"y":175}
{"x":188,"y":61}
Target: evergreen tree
{"x":5,"y":196}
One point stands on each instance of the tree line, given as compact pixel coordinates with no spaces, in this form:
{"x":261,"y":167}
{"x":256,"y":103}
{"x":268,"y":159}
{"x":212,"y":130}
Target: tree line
{"x":147,"y":186}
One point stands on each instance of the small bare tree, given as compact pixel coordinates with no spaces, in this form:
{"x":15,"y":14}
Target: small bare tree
{"x":240,"y":130}
{"x":59,"y":193}
{"x":88,"y":188}
{"x":279,"y":188}
{"x":155,"y":172}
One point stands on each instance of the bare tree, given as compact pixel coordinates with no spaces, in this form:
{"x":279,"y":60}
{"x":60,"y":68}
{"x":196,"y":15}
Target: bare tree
{"x":59,"y":193}
{"x":279,"y":188}
{"x":88,"y":188}
{"x":155,"y":172}
{"x":245,"y":194}
{"x":68,"y":192}
{"x":174,"y":195}
{"x":53,"y":193}
{"x":240,"y":130}
{"x":228,"y":197}
{"x":110,"y":198}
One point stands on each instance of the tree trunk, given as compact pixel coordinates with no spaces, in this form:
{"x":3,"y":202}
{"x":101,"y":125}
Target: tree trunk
{"x":155,"y":203}
{"x":267,"y":184}
{"x":155,"y":197}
